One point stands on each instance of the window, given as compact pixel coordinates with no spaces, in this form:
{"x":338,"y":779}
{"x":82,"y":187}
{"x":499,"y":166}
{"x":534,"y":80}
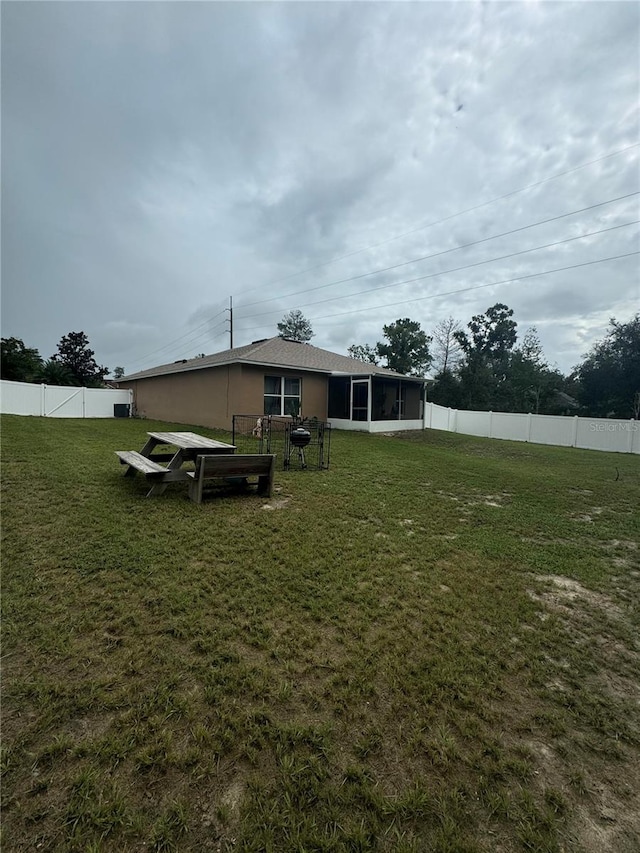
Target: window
{"x":348,"y":398}
{"x":281,"y":395}
{"x":339,"y":397}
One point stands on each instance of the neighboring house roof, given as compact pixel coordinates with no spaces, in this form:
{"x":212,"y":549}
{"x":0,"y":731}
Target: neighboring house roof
{"x":566,"y":399}
{"x":275,"y":352}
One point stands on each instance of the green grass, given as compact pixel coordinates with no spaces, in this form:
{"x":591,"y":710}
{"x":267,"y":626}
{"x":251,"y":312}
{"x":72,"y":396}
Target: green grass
{"x":433,"y":646}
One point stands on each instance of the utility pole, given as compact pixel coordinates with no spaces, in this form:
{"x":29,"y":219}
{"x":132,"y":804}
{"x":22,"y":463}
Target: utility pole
{"x":230,"y":310}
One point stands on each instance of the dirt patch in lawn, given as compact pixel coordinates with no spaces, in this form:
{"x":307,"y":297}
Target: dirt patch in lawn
{"x":563,"y":593}
{"x":278,"y":503}
{"x":607,"y":810}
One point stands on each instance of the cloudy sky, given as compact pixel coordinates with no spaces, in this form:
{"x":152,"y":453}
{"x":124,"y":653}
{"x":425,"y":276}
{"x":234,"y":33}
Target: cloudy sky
{"x":336,"y":157}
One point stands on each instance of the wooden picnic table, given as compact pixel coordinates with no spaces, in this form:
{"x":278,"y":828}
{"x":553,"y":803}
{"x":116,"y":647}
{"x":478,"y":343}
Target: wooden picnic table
{"x":167,"y":467}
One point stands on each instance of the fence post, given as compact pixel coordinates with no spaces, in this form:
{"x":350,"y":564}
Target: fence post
{"x":529,"y":416}
{"x":574,"y":440}
{"x":630,"y":442}
{"x":490,"y":422}
{"x":430,"y":410}
{"x":43,"y":400}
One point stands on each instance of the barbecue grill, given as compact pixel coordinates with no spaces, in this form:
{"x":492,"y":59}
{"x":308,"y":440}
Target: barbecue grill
{"x":299,"y":438}
{"x":302,"y":444}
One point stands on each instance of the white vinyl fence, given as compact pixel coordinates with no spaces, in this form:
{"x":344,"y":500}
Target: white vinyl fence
{"x":618,"y":436}
{"x":56,"y":401}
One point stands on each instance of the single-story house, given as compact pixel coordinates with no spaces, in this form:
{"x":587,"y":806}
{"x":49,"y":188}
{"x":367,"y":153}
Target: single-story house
{"x":278,"y":376}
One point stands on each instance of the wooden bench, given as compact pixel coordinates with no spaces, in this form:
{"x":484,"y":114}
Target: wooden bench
{"x":210,"y":467}
{"x":138,"y":462}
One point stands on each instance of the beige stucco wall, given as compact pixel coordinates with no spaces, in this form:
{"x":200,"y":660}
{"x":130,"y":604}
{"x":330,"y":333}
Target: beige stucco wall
{"x":211,"y":396}
{"x":198,"y":397}
{"x":250,"y":393}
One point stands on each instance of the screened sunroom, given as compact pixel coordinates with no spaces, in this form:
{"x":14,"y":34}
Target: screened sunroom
{"x":375,"y":403}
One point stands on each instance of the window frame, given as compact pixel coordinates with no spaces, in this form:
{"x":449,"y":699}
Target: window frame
{"x":282,"y":396}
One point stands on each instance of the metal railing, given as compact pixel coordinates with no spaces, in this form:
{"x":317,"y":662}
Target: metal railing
{"x":272,"y":434}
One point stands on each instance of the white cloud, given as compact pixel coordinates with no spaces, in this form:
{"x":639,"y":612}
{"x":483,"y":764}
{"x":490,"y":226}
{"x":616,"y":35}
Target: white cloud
{"x":161,"y":157}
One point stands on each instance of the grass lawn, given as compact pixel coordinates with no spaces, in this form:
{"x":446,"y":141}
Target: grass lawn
{"x":433,"y":646}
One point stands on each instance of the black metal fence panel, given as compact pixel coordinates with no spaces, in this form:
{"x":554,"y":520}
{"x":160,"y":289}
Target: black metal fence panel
{"x":272,"y":434}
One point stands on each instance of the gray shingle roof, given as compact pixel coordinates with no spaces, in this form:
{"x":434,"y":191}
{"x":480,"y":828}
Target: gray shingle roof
{"x":274,"y":352}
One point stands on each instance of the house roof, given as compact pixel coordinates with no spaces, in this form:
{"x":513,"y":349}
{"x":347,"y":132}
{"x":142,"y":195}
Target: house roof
{"x":275,"y":352}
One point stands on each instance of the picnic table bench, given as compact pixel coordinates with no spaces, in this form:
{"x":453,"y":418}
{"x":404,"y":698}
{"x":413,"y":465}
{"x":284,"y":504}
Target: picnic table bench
{"x":167,"y":467}
{"x":138,"y":462}
{"x":227,"y":467}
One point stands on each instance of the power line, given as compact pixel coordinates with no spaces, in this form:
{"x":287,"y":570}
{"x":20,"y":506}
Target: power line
{"x":191,"y":341}
{"x":464,"y":289}
{"x":180,"y":337}
{"x":171,"y":350}
{"x":177,"y":340}
{"x":173,"y":353}
{"x":459,"y":269}
{"x":208,"y":333}
{"x":399,"y":236}
{"x":445,"y":251}
{"x":446,"y":218}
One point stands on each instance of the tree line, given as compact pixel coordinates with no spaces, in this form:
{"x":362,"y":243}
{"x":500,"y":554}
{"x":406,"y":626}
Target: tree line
{"x":72,"y":364}
{"x":485,"y":366}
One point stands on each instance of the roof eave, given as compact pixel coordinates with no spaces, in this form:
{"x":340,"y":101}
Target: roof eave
{"x":275,"y":366}
{"x":377,"y":373}
{"x":172,"y":371}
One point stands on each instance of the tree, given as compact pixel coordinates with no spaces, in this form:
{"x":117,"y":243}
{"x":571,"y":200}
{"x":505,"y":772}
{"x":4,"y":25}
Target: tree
{"x":445,"y":390}
{"x":56,"y":373}
{"x":492,"y":335}
{"x":486,"y":348}
{"x":533,"y":385}
{"x":363,"y":352}
{"x":609,"y":377}
{"x":118,"y":372}
{"x":407,"y":350}
{"x":74,"y":353}
{"x":19,"y":363}
{"x":295,"y":326}
{"x":446,"y":349}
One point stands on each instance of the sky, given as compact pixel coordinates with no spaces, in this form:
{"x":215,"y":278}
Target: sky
{"x":338,"y":158}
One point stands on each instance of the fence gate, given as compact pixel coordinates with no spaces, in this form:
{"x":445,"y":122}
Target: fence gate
{"x":61,"y":401}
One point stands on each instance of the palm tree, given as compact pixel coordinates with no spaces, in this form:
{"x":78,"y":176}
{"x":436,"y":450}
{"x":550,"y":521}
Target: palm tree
{"x":54,"y":373}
